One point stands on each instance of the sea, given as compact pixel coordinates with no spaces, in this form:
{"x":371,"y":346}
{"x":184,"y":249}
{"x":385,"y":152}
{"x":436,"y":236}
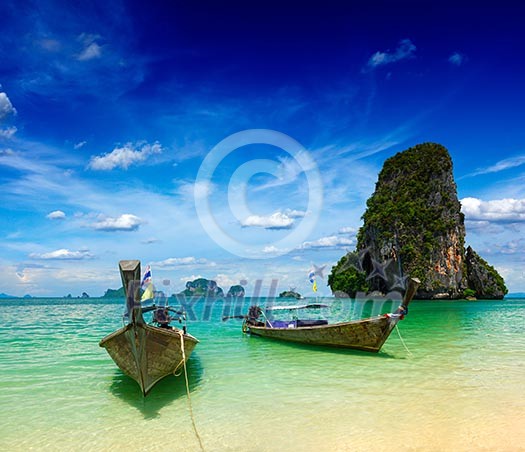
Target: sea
{"x":451,"y":378}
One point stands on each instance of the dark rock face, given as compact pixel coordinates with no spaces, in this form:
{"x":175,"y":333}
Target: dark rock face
{"x":203,"y":287}
{"x":483,"y":278}
{"x":236,"y":291}
{"x":413,"y":226}
{"x":290,"y":294}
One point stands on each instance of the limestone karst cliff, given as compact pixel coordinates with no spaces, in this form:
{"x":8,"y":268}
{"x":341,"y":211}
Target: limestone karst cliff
{"x":413,"y":225}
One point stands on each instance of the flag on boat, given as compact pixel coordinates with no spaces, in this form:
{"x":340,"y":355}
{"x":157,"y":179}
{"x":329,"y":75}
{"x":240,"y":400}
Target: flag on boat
{"x":311,"y":277}
{"x":147,"y":277}
{"x":149,"y":293}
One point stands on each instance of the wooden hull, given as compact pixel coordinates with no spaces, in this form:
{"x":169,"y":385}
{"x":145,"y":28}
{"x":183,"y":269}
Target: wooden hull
{"x":368,"y":334}
{"x":147,"y":353}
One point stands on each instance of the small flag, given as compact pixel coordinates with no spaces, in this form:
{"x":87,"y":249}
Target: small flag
{"x":149,"y":293}
{"x":147,"y":277}
{"x":311,"y":277}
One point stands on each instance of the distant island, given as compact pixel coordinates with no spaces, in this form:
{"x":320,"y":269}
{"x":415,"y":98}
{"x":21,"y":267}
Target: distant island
{"x":114,"y":293}
{"x":290,"y":294}
{"x":202,"y":287}
{"x":413,"y":225}
{"x":236,"y":291}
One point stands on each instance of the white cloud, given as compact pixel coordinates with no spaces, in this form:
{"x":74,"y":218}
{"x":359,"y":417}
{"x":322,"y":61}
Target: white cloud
{"x":295,"y":213}
{"x":271,"y":249}
{"x":226,"y":281}
{"x":404,"y":50}
{"x":347,"y":230}
{"x":6,"y":107}
{"x":332,"y":241}
{"x":502,"y":165}
{"x":125,"y":222}
{"x":91,"y":48}
{"x":289,"y":170}
{"x":80,"y":144}
{"x":183,"y":261}
{"x":124,"y":156}
{"x":56,"y":215}
{"x":457,"y":59}
{"x":92,"y":51}
{"x":8,"y":133}
{"x":277,"y":220}
{"x":504,"y":210}
{"x":63,"y":254}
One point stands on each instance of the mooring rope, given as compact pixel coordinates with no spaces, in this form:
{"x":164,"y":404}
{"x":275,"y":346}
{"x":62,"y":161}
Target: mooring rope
{"x":403,"y":342}
{"x":188,"y":391}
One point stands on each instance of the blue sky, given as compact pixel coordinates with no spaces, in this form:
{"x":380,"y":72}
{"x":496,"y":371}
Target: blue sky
{"x":108,"y":111}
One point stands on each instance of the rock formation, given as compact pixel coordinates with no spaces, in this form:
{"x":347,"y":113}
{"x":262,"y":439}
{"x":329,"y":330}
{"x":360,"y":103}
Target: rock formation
{"x":290,"y":294}
{"x":236,"y":292}
{"x":203,"y":288}
{"x":413,"y":225}
{"x":483,"y":278}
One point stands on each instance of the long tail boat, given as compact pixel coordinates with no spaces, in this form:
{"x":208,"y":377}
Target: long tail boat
{"x":147,"y":352}
{"x":367,"y":334}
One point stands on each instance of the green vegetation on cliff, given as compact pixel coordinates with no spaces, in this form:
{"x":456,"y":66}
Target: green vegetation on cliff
{"x":346,"y":279}
{"x":413,"y":225}
{"x":202,"y":287}
{"x":290,"y":294}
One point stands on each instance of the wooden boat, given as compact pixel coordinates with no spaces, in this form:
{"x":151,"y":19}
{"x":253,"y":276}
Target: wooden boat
{"x":367,"y":334}
{"x":147,"y":352}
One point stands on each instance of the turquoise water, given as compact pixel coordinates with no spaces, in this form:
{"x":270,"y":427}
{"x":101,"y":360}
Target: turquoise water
{"x":459,"y":388}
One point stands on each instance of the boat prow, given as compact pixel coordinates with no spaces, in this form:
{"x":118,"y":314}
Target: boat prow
{"x":146,"y":352}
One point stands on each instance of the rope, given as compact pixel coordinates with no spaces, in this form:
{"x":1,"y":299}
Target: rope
{"x":188,"y":391}
{"x":403,"y":342}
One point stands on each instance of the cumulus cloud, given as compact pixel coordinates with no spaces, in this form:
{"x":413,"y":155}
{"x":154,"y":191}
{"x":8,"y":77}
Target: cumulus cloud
{"x":457,"y":59}
{"x":56,"y":215}
{"x":503,"y":210}
{"x":125,"y":222}
{"x":6,"y":107}
{"x":332,"y":241}
{"x":8,"y":133}
{"x":125,"y":156}
{"x":277,"y":220}
{"x":404,"y":50}
{"x":183,"y":261}
{"x":63,"y":254}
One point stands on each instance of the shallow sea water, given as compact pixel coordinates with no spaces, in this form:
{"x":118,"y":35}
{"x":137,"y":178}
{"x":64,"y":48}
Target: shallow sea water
{"x":459,"y":388}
